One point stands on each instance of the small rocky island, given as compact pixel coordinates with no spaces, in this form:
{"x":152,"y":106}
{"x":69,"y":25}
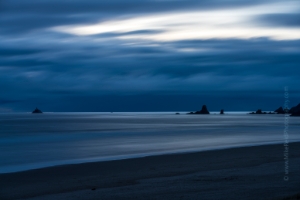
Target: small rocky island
{"x":202,"y":111}
{"x":280,"y":110}
{"x":294,"y":111}
{"x":259,"y":111}
{"x":36,"y":111}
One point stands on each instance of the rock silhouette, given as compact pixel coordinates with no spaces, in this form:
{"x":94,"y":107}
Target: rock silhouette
{"x":222,"y":112}
{"x":259,"y":111}
{"x":279,"y":110}
{"x":36,"y":111}
{"x":202,"y":111}
{"x":295,"y":111}
{"x":295,"y":108}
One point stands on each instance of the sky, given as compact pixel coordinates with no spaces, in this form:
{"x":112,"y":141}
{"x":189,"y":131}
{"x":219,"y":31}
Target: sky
{"x":148,"y":55}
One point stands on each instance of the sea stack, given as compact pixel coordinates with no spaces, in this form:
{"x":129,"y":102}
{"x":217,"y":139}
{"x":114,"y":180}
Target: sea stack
{"x":202,"y":111}
{"x":279,"y":110}
{"x":36,"y":111}
{"x":222,"y":112}
{"x":295,"y":111}
{"x":258,"y":111}
{"x":295,"y":108}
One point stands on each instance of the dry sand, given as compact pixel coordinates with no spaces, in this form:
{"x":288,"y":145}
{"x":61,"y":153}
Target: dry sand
{"x":238,"y":173}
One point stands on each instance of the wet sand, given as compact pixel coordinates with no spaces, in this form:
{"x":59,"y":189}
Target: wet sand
{"x":238,"y":173}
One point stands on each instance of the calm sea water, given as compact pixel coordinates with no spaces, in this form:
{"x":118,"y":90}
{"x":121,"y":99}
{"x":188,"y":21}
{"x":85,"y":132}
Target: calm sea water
{"x":29,"y":141}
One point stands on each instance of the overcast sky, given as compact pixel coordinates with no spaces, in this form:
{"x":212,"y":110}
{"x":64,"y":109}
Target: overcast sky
{"x":148,"y":55}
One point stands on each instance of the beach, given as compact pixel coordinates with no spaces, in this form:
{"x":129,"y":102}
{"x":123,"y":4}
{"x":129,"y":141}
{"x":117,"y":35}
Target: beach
{"x":255,"y":172}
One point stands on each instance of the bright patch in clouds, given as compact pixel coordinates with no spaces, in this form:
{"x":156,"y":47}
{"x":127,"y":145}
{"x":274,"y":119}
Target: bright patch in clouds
{"x":234,"y":23}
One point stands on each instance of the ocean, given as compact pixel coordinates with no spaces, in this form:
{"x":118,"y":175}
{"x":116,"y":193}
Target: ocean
{"x":31,"y":141}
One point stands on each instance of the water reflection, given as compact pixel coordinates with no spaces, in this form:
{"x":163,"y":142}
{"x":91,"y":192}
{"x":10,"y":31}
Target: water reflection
{"x":30,"y":141}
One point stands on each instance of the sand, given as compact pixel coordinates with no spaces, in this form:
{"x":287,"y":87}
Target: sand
{"x":238,"y":173}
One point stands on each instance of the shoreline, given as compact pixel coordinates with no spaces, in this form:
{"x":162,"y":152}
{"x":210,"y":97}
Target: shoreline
{"x":256,"y":171}
{"x":136,"y":156}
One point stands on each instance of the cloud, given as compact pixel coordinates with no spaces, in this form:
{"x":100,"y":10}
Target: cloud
{"x":18,"y":16}
{"x":105,"y":69}
{"x":192,"y":24}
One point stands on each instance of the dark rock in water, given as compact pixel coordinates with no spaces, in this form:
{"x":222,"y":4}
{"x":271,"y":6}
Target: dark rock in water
{"x":259,"y":111}
{"x":177,"y":113}
{"x":202,"y":111}
{"x":294,"y":110}
{"x":222,"y":112}
{"x":37,"y":111}
{"x":280,"y":111}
